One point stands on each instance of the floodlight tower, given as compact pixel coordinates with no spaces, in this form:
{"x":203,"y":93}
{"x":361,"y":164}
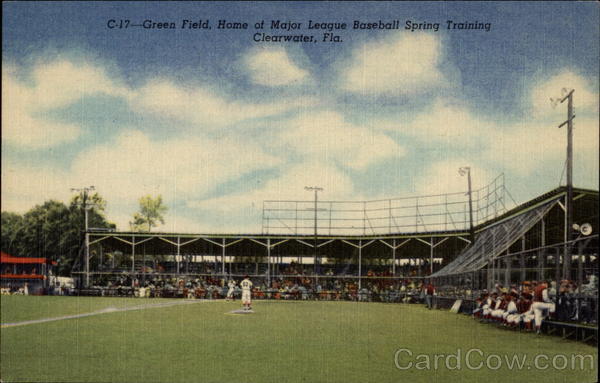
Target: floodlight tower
{"x":462,"y":171}
{"x":567,"y":95}
{"x":86,"y":207}
{"x":316,"y":189}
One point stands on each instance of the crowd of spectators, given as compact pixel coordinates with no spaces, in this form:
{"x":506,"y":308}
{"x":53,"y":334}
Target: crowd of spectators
{"x":21,"y":289}
{"x":290,"y":286}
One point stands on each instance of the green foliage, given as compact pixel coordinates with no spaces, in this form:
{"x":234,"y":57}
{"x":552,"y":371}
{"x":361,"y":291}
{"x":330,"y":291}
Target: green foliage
{"x":150,"y":214}
{"x":51,"y":230}
{"x":92,"y":200}
{"x":12,"y":224}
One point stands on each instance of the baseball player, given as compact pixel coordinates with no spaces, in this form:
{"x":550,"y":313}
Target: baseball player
{"x":490,"y":305}
{"x":246,"y":286}
{"x":230,"y":290}
{"x":542,"y":305}
{"x":481,"y":301}
{"x":525,"y":310}
{"x":500,"y":308}
{"x":511,"y":307}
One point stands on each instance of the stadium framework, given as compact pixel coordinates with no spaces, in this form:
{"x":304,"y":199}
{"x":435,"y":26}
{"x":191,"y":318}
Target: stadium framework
{"x":528,"y":241}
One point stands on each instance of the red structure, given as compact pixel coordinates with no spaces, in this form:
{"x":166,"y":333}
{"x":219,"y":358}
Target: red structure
{"x":16,"y":271}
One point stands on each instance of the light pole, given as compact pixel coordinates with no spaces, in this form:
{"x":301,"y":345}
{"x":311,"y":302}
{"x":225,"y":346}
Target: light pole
{"x":316,"y":189}
{"x":462,"y":171}
{"x":86,"y":207}
{"x":568,"y":96}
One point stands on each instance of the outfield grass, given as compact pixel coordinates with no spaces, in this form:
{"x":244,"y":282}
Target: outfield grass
{"x":281,"y":342}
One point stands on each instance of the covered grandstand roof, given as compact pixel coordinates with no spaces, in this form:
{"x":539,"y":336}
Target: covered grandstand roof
{"x":448,"y":245}
{"x":497,"y":236}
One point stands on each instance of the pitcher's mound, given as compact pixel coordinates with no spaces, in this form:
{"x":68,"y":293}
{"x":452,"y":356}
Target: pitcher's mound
{"x":241,"y":311}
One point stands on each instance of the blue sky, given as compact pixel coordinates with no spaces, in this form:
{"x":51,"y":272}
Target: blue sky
{"x":217,"y":123}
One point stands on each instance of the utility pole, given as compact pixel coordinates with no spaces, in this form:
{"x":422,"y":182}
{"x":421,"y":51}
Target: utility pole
{"x":316,"y":189}
{"x":86,"y":206}
{"x":569,"y":201}
{"x":462,"y":171}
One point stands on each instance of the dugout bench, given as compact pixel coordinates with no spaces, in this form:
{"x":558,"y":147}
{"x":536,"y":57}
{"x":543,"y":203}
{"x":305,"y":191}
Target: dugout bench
{"x":576,"y":331}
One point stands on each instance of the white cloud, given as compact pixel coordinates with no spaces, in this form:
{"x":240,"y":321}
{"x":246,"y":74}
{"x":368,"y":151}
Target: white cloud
{"x":176,"y":168}
{"x":19,"y":126}
{"x":405,"y":64}
{"x":60,"y":83}
{"x":585,"y":98}
{"x":288,"y":186}
{"x":527,"y":148}
{"x":445,"y":121}
{"x":203,"y":107}
{"x":242,"y":211}
{"x":136,"y":165}
{"x":23,"y":187}
{"x":443,"y":177}
{"x":174,"y":221}
{"x":326,"y":137}
{"x":273,"y":67}
{"x":523,"y":149}
{"x":55,"y":84}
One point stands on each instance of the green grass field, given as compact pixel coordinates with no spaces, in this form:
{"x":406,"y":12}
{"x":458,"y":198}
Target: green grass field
{"x":280,"y":342}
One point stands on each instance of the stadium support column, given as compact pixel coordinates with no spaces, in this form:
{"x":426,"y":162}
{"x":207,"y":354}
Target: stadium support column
{"x":557,"y":270}
{"x":490,"y":273}
{"x":522,"y":259}
{"x":542,"y":252}
{"x":223,"y":258}
{"x":580,"y":259}
{"x":132,"y":256}
{"x":359,"y":264}
{"x":178,"y":253}
{"x":431,"y":257}
{"x":393,"y":257}
{"x":316,"y":189}
{"x":269,"y":262}
{"x":507,"y":271}
{"x":87,"y":243}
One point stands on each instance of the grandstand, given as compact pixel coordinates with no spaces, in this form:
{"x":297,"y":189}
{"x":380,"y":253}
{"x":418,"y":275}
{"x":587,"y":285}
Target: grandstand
{"x":525,"y":242}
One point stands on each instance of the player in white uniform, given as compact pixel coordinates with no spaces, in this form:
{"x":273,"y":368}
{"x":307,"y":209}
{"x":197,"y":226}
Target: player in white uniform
{"x":542,"y":305}
{"x":230,"y":290}
{"x":490,"y":305}
{"x":246,"y":286}
{"x":511,"y":308}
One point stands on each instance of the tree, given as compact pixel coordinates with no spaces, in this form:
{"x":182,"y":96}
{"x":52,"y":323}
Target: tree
{"x":94,"y":201}
{"x":95,"y":206}
{"x":51,"y":230}
{"x":12,"y":224}
{"x":151,"y":212}
{"x":47,"y":231}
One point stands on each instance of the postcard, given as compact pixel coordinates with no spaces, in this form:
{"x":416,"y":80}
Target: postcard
{"x":299,"y":191}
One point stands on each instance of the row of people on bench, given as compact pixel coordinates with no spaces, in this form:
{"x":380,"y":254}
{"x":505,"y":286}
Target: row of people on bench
{"x":527,"y":308}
